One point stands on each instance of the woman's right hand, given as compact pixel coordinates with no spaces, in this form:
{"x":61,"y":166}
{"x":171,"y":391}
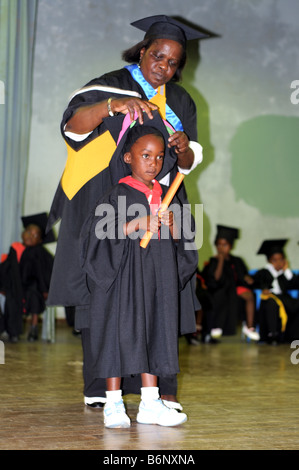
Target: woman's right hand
{"x":87,"y":118}
{"x":132,"y":106}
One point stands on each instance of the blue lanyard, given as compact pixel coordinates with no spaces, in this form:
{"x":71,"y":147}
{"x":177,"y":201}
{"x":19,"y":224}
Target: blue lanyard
{"x":171,"y":117}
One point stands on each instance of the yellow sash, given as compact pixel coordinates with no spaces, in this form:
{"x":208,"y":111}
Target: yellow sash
{"x":82,"y":165}
{"x":282,"y":312}
{"x":160,"y":100}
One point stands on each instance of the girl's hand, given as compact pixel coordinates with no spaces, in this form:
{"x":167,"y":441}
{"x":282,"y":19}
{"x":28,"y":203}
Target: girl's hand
{"x":166,"y":218}
{"x":286,"y":265}
{"x":149,"y":222}
{"x":153,"y":223}
{"x":248,"y":279}
{"x":266,"y":292}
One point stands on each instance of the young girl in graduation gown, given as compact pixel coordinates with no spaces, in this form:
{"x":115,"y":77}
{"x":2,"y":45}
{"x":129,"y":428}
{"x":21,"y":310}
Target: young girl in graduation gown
{"x":26,"y":273}
{"x":279,"y":311}
{"x":230,"y":287}
{"x":134,"y":291}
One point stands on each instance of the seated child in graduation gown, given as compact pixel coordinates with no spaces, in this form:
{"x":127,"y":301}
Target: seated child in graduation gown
{"x":227,"y":279}
{"x":279,"y":311}
{"x":26,"y":272}
{"x":134,"y":290}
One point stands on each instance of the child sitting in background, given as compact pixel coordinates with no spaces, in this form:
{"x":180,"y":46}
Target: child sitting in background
{"x":25,"y":278}
{"x":227,"y":280}
{"x":279,"y":311}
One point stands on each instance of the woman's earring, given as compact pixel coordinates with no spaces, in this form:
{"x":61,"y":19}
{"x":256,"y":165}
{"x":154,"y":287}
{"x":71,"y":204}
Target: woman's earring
{"x":139,"y":62}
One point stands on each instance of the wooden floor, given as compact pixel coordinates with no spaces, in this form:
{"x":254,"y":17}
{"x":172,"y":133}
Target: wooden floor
{"x":237,"y":395}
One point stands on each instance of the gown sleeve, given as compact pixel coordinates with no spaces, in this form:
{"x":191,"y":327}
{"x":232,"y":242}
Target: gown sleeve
{"x":186,"y":250}
{"x":286,"y":283}
{"x":209,"y":277}
{"x":102,"y":242}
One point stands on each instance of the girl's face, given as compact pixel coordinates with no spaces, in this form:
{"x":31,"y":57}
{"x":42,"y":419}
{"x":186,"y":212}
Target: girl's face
{"x":31,"y":236}
{"x":146,"y":158}
{"x":277,"y":260}
{"x":223,"y":246}
{"x":160,"y":61}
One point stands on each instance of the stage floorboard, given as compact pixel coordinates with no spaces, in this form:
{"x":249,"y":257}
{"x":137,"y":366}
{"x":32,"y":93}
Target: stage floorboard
{"x":237,"y":395}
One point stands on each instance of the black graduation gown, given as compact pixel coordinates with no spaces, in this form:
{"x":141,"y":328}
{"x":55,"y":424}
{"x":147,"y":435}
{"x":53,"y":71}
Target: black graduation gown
{"x":269,"y":318}
{"x":11,"y":285}
{"x":24,"y":283}
{"x":134,"y":292}
{"x":227,"y":306}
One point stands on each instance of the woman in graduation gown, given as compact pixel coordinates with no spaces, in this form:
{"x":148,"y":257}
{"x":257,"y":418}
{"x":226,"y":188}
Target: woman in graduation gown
{"x":147,"y":84}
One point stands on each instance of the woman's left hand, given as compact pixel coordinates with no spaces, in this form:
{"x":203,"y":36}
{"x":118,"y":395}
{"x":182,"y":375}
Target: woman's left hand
{"x":180,"y":141}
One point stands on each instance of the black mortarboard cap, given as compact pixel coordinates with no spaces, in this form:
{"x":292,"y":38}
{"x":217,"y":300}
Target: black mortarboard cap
{"x":270,"y":247}
{"x":228,"y":233}
{"x":41,"y":221}
{"x":163,"y":26}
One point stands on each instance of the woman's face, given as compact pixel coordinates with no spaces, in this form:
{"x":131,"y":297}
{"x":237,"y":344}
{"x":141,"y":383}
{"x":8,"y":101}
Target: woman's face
{"x":160,"y":61}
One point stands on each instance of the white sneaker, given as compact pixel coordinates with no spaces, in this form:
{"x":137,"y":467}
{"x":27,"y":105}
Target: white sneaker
{"x":115,"y":415}
{"x":155,"y":412}
{"x":216,"y":332}
{"x":250,"y":333}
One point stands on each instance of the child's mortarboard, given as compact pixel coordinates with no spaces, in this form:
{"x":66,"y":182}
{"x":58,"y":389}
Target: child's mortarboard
{"x":270,"y":247}
{"x":228,"y":233}
{"x":163,"y":26}
{"x":41,"y":221}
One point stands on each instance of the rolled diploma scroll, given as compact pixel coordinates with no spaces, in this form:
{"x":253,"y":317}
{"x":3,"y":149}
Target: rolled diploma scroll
{"x":164,"y":205}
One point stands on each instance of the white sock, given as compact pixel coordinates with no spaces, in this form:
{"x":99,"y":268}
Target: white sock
{"x":114,"y":395}
{"x":149,"y":393}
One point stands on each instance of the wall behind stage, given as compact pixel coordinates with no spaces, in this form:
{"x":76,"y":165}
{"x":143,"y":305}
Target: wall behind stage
{"x":241,"y":82}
